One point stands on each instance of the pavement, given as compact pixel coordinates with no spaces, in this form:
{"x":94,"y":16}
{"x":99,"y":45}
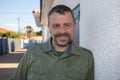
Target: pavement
{"x":9,"y":63}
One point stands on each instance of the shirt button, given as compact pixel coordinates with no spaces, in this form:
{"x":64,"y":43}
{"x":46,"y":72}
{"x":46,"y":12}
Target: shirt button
{"x":56,"y":74}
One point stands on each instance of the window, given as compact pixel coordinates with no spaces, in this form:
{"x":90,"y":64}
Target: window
{"x":76,"y":12}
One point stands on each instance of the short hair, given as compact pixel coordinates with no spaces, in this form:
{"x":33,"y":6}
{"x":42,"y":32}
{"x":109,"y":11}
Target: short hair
{"x":61,"y":9}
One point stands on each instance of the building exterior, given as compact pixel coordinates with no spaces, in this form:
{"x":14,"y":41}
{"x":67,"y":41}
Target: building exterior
{"x":98,"y":23}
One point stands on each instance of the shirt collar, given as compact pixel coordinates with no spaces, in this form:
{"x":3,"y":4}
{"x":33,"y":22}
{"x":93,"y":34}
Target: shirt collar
{"x":72,"y":49}
{"x":76,"y":50}
{"x":68,"y":52}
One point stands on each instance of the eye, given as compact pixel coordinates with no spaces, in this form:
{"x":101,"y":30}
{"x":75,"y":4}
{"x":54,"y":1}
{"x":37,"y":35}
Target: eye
{"x":67,"y":25}
{"x":55,"y":26}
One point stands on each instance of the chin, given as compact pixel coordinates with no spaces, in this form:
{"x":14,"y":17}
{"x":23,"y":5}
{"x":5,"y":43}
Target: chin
{"x":62,"y":44}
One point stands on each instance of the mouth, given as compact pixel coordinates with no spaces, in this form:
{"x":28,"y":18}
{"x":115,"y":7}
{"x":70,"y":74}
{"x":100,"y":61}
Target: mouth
{"x":62,"y":39}
{"x":62,"y":35}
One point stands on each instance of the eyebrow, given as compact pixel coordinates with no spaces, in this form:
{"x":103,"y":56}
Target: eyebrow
{"x":59,"y":24}
{"x":67,"y":23}
{"x":55,"y":24}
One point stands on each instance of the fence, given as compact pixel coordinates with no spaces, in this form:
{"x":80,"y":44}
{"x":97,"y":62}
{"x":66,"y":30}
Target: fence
{"x":8,"y":45}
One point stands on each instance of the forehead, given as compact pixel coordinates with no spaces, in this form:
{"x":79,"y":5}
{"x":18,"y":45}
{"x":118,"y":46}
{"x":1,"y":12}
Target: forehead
{"x":57,"y":17}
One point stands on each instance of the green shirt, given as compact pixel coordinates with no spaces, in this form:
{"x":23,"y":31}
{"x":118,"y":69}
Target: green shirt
{"x":59,"y":53}
{"x":39,"y":63}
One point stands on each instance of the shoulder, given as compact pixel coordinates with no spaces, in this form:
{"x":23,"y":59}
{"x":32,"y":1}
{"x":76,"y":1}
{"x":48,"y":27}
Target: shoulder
{"x":83,"y":52}
{"x":87,"y":54}
{"x":86,"y":51}
{"x":38,"y":47}
{"x":35,"y":50}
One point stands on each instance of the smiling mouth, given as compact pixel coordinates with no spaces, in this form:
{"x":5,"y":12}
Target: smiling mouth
{"x":62,"y":35}
{"x":62,"y":38}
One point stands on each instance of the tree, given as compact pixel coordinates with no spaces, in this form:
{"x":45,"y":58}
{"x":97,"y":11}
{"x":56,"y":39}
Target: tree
{"x":29,"y":32}
{"x":39,"y":33}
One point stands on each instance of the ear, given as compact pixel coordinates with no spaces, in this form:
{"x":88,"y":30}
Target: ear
{"x":48,"y":25}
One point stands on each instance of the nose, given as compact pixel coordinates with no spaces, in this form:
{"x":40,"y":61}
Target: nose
{"x":62,"y":29}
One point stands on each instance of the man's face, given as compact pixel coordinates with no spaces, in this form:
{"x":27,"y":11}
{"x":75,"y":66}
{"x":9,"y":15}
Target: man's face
{"x":61,"y":27}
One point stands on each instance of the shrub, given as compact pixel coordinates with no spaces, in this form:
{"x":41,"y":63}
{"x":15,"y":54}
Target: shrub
{"x":10,"y":35}
{"x":39,"y":33}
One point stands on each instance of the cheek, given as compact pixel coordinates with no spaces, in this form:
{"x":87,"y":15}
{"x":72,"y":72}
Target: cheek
{"x":53,"y":33}
{"x":71,"y":32}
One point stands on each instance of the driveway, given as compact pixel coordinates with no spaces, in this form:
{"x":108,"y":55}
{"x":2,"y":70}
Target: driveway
{"x":9,"y":62}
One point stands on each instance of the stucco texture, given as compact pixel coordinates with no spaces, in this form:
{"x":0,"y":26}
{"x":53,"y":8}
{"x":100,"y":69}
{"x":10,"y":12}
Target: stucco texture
{"x":100,"y":32}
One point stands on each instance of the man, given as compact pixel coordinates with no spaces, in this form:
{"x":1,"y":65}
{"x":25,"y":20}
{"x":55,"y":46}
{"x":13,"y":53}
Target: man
{"x":58,"y":58}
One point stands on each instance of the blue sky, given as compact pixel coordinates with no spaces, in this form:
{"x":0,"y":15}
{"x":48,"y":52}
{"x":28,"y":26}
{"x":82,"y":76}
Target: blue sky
{"x":12,"y":10}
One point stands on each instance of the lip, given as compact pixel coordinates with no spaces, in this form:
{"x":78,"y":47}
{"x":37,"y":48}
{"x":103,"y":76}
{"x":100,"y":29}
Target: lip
{"x":62,"y":38}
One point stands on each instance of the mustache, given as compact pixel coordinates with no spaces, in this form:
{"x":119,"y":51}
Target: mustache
{"x":62,"y":34}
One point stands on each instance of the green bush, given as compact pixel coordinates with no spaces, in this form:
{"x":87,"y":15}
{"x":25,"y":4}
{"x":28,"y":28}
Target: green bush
{"x":39,"y":33}
{"x":0,"y":34}
{"x":10,"y":35}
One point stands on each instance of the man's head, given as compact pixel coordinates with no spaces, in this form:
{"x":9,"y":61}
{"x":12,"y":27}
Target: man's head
{"x":61,"y":24}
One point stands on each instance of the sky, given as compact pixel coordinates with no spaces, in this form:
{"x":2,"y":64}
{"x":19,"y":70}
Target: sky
{"x":15,"y":14}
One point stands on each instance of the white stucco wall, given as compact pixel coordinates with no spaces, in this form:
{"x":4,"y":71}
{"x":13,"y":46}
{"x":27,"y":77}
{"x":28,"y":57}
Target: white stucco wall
{"x":45,"y":34}
{"x":100,"y":32}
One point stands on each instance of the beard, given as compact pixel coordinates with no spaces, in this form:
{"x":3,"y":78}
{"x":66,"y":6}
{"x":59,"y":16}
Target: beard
{"x":64,"y":41}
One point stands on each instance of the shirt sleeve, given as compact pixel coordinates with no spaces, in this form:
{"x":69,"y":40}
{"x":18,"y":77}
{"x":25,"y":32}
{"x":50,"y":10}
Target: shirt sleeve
{"x":90,"y":75}
{"x":21,"y":71}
